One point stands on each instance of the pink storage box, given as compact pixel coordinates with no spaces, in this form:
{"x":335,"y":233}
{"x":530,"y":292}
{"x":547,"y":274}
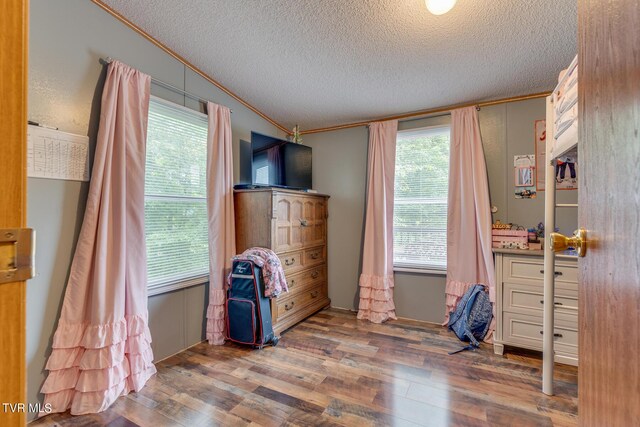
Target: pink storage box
{"x":510,"y":245}
{"x":512,"y":239}
{"x":512,"y":233}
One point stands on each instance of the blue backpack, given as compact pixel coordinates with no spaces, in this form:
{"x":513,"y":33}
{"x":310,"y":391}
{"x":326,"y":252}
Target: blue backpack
{"x":470,"y":322}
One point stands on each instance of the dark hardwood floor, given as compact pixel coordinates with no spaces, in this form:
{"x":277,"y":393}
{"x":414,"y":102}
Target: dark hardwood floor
{"x":333,"y":370}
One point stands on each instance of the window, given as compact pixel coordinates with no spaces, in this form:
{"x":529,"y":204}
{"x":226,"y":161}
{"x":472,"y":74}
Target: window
{"x":420,"y":204}
{"x":175,"y":207}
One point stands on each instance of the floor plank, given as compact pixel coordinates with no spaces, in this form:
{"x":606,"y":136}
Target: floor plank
{"x":334,"y":370}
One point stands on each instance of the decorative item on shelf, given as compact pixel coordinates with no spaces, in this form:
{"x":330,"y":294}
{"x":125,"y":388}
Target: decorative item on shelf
{"x":534,"y":243}
{"x":500,"y":226}
{"x":536,"y":236}
{"x":295,"y":136}
{"x":509,"y":236}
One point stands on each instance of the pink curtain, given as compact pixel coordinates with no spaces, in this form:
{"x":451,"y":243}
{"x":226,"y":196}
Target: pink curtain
{"x":376,"y":281}
{"x":101,"y":347}
{"x":222,"y":236}
{"x":469,"y":256}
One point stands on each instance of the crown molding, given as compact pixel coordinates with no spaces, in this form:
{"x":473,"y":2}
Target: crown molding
{"x":188,"y":64}
{"x":425,"y":113}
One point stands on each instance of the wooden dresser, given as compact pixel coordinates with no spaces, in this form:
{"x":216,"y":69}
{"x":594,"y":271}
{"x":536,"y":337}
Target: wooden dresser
{"x":294,"y":225}
{"x":519,"y":311}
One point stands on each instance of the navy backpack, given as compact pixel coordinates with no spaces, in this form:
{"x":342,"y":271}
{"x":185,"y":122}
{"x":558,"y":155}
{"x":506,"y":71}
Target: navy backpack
{"x":470,"y":322}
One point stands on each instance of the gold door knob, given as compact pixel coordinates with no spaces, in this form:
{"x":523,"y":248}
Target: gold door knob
{"x":560,"y":242}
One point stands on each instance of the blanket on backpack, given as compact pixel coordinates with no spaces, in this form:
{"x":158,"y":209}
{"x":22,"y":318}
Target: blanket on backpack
{"x":272,"y":272}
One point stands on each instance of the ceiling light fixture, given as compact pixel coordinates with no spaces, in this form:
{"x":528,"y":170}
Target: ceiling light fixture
{"x":440,"y":7}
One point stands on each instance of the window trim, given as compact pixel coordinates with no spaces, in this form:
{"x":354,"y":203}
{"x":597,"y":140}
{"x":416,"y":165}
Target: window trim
{"x":178,"y":106}
{"x":426,"y":269}
{"x":431,"y":271}
{"x":423,"y":128}
{"x":185,"y":282}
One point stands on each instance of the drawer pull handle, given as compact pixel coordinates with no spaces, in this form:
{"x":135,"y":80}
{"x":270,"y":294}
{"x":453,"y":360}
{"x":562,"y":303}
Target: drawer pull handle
{"x":557,"y":273}
{"x":555,"y":303}
{"x":315,"y":255}
{"x":303,"y":222}
{"x":288,"y":307}
{"x":315,"y":274}
{"x":555,"y":335}
{"x":314,"y":294}
{"x":289,"y":261}
{"x":292,"y":283}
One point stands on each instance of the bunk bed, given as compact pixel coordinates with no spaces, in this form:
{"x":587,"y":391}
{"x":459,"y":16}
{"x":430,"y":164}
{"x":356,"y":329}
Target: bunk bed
{"x":562,"y":141}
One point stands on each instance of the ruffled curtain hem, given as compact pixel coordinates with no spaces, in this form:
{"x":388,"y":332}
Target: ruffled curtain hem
{"x":216,"y":326}
{"x":80,"y":402}
{"x":90,"y":366}
{"x":376,"y":298}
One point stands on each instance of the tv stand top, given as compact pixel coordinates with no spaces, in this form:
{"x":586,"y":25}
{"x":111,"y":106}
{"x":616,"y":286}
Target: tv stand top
{"x":250,"y":188}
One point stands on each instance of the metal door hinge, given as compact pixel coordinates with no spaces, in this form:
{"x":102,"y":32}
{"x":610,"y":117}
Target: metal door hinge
{"x":17,"y":254}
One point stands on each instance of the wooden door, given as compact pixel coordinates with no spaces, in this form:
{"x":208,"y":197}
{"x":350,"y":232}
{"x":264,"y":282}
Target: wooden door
{"x":289,"y":213}
{"x":314,"y":230}
{"x":13,"y":125}
{"x":609,"y":199}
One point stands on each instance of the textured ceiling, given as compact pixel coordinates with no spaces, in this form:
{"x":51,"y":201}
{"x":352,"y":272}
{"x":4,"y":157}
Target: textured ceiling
{"x":327,"y":62}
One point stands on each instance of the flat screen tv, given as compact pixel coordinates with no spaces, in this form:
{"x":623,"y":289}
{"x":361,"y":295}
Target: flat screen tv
{"x":280,"y":163}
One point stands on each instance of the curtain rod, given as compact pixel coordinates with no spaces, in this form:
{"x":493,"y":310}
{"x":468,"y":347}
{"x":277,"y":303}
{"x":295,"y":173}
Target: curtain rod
{"x":430,"y":116}
{"x":428,"y":113}
{"x":166,"y":85}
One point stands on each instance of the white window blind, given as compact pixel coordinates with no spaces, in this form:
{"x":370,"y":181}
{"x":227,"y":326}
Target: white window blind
{"x":175,"y":194}
{"x":420,"y":204}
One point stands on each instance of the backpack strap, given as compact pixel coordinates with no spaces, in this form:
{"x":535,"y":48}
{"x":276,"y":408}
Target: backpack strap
{"x":469,"y":347}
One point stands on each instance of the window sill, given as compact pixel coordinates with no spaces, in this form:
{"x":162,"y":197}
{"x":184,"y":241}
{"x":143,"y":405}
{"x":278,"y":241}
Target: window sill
{"x":162,"y":288}
{"x":413,"y":270}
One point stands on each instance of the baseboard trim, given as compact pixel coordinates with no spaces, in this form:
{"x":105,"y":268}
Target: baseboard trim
{"x":404,"y":319}
{"x":178,"y":352}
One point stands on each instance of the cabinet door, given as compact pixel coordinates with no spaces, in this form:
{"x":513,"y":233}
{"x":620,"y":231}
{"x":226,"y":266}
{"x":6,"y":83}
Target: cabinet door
{"x":288,"y":227}
{"x":314,"y":222}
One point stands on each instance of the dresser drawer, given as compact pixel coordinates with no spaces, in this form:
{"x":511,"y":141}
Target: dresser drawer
{"x":291,"y":261}
{"x":289,"y":305}
{"x":525,"y":269}
{"x":315,"y":256}
{"x":526,"y":331}
{"x":301,"y":280}
{"x":528,"y":299}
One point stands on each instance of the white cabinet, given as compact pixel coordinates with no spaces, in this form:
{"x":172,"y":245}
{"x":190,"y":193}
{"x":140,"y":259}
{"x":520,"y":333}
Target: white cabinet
{"x":520,"y":303}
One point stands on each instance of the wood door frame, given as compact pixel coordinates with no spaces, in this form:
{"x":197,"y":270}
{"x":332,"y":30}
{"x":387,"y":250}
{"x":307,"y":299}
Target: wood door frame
{"x":13,"y":128}
{"x":609,"y":149}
